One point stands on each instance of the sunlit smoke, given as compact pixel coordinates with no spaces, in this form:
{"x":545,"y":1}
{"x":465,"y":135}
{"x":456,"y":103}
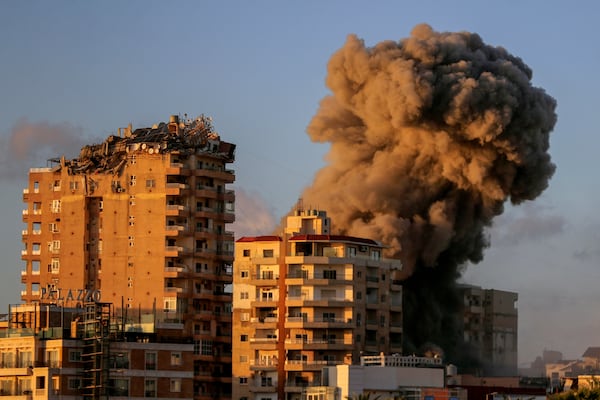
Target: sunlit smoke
{"x":28,"y":143}
{"x":429,"y":137}
{"x":252,"y":217}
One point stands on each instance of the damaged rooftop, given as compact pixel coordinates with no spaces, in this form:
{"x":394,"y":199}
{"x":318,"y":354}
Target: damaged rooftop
{"x":183,"y":136}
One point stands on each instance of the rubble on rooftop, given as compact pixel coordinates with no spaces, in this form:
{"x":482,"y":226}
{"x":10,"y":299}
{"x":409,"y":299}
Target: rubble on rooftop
{"x":185,"y":137}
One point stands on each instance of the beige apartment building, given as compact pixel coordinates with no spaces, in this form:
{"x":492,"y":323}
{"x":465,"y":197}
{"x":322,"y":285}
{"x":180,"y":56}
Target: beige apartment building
{"x":140,"y":221}
{"x":306,"y":300}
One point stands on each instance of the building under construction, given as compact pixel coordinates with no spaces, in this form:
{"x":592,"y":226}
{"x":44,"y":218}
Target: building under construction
{"x":140,"y":222}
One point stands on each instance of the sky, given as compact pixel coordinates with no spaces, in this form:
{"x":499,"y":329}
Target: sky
{"x":72,"y":73}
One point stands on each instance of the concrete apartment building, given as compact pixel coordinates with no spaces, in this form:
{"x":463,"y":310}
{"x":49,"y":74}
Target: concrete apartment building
{"x":490,"y":326}
{"x":53,"y":352}
{"x":305,"y":300}
{"x":139,"y":221}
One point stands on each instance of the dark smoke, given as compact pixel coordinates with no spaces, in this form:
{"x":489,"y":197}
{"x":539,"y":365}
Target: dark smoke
{"x":429,"y":136}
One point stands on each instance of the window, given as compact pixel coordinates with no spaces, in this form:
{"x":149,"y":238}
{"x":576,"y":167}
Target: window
{"x":246,"y":252}
{"x":268,"y":253}
{"x":329,"y":274}
{"x":131,"y":220}
{"x":73,"y":383}
{"x":73,"y":185}
{"x":53,"y":227}
{"x":74,"y":355}
{"x":206,"y":348}
{"x":266,"y":381}
{"x":243,"y":359}
{"x":150,"y":362}
{"x":244,"y":317}
{"x":244,"y":296}
{"x":375,"y":254}
{"x":176,"y":358}
{"x":266,"y":275}
{"x":55,"y":266}
{"x":197,"y":344}
{"x":382,"y":320}
{"x":351,"y":251}
{"x":170,"y":303}
{"x":244,"y":273}
{"x":175,"y":385}
{"x":132,"y":180}
{"x":150,"y":387}
{"x":150,"y":183}
{"x":131,"y":241}
{"x":119,"y":387}
{"x":40,"y":382}
{"x":119,"y":360}
{"x":358,"y":295}
{"x":243,"y":380}
{"x":55,"y":206}
{"x":328,"y":316}
{"x":51,"y":358}
{"x":132,"y":200}
{"x":243,"y":338}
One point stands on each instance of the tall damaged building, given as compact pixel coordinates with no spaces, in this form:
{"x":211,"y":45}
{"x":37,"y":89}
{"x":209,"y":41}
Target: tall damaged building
{"x":140,"y":221}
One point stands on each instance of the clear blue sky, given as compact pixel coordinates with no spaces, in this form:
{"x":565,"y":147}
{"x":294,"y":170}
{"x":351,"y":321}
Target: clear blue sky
{"x":258,"y":68}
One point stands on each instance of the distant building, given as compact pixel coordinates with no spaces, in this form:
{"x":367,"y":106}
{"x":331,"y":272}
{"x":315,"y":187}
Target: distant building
{"x":306,"y":300}
{"x":490,"y":327}
{"x":410,"y":378}
{"x":140,"y":222}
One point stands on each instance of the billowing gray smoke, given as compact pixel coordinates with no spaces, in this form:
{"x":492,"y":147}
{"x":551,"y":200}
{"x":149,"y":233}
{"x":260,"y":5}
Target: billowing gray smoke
{"x":429,"y":136}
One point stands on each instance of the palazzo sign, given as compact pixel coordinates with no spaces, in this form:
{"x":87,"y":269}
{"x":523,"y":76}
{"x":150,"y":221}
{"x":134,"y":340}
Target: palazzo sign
{"x":67,"y":295}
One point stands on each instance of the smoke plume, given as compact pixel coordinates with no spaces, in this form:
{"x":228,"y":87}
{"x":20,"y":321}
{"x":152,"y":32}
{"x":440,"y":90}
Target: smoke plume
{"x":29,"y":142}
{"x":429,"y":137}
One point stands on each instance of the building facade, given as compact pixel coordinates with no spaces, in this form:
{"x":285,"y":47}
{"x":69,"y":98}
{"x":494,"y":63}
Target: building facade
{"x":308,"y":299}
{"x":49,"y":352}
{"x":490,"y":326}
{"x":140,"y":221}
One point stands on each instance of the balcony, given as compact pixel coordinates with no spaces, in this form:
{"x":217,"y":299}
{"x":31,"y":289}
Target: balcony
{"x":225,"y":175}
{"x":313,"y":365}
{"x":266,"y":302}
{"x":175,"y":272}
{"x":177,"y":169}
{"x":175,"y":210}
{"x":174,"y":230}
{"x":266,"y":364}
{"x":318,"y":278}
{"x":174,"y":289}
{"x":258,"y":388}
{"x":173,"y":251}
{"x":316,"y":323}
{"x":264,"y":279}
{"x":318,"y":344}
{"x":305,"y":301}
{"x":263,"y":343}
{"x":176,"y":189}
